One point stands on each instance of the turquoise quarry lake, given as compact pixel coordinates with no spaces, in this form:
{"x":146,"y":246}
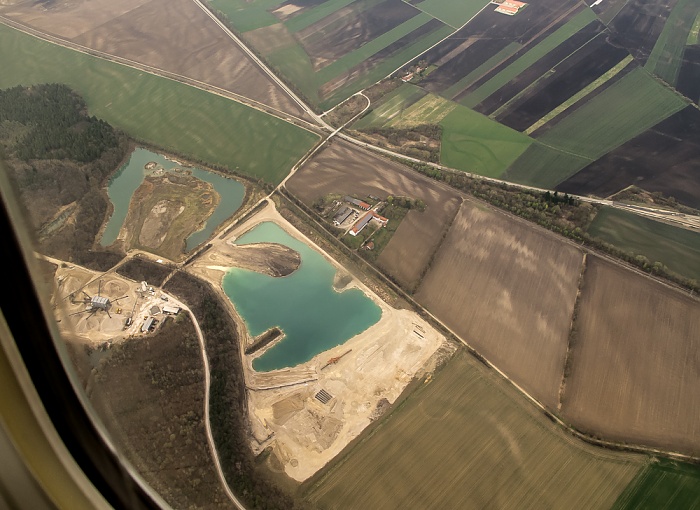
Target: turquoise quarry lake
{"x":130,"y":176}
{"x":312,"y":314}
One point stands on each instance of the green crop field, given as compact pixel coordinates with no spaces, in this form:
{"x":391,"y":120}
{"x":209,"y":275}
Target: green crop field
{"x":470,"y":78}
{"x":666,"y":57}
{"x":386,"y":67}
{"x":607,"y":76}
{"x":530,"y":57}
{"x":676,"y":248}
{"x":246,"y":15}
{"x":544,"y":167}
{"x":664,"y":485}
{"x":629,"y":107}
{"x":452,"y":13}
{"x":159,"y":111}
{"x":474,"y":143}
{"x":276,"y":42}
{"x":391,"y":105}
{"x":694,"y":34}
{"x":430,"y":109}
{"x":468,"y":440}
{"x":311,"y":16}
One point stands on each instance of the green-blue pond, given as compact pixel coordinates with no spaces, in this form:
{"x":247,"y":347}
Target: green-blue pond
{"x":130,"y":176}
{"x":312,"y":314}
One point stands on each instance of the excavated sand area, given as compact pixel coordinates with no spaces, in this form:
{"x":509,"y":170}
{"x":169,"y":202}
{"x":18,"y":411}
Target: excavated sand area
{"x":307,"y":414}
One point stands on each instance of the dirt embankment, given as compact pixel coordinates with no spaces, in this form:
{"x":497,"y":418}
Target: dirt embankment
{"x":268,"y":258}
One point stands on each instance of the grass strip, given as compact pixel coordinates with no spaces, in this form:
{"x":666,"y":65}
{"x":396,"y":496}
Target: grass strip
{"x":533,"y":55}
{"x":581,"y":94}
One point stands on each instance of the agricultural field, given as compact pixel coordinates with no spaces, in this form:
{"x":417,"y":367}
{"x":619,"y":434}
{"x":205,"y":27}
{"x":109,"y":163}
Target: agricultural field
{"x":454,"y":14}
{"x":470,"y":141}
{"x":674,"y":247}
{"x":541,"y":166}
{"x":508,"y":289}
{"x":477,"y":144}
{"x":202,"y":126}
{"x":491,"y":42}
{"x":390,"y":106}
{"x":662,"y":484}
{"x":626,"y":109}
{"x":467,"y":440}
{"x":634,"y":361}
{"x":573,"y":74}
{"x":527,"y":65}
{"x":665,"y":158}
{"x":348,"y":170}
{"x":330,"y":50}
{"x":192,"y":45}
{"x":688,"y":82}
{"x":666,"y":57}
{"x":638,"y":25}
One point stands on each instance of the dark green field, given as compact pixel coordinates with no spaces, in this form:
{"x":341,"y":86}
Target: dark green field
{"x":165,"y":113}
{"x":666,"y":485}
{"x":676,"y":248}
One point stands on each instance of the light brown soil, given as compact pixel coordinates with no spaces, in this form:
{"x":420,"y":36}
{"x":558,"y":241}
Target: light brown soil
{"x":165,"y":210}
{"x":75,"y":286}
{"x":635,"y":372}
{"x":267,"y":258}
{"x":345,"y":169}
{"x":173,"y":35}
{"x":508,"y":289}
{"x":304,"y":433}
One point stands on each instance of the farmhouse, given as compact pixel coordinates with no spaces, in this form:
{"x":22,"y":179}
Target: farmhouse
{"x":364,"y":221}
{"x":359,"y":203}
{"x":509,"y":7}
{"x":342,"y":215}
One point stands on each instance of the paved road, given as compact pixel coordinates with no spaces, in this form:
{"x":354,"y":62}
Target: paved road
{"x":689,"y":222}
{"x":303,"y":123}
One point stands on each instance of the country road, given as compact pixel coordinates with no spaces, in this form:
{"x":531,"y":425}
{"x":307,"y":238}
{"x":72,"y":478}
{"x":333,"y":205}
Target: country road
{"x":689,"y":222}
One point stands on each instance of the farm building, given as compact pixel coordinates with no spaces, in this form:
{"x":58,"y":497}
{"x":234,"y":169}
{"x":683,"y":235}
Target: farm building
{"x":509,"y":7}
{"x":171,"y":310}
{"x":359,"y":203}
{"x":362,"y":222}
{"x":155,"y":310}
{"x":342,"y":215}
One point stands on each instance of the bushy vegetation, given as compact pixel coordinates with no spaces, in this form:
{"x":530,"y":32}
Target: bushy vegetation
{"x":59,"y":161}
{"x":227,"y":397}
{"x":57,"y":123}
{"x":140,"y":269}
{"x":150,"y":394}
{"x":559,"y":213}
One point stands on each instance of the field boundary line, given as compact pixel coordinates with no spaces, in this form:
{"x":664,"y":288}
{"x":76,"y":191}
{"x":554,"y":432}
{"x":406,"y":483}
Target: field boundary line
{"x":161,"y":73}
{"x":431,"y":15}
{"x":252,"y":56}
{"x":571,"y":339}
{"x":431,"y":47}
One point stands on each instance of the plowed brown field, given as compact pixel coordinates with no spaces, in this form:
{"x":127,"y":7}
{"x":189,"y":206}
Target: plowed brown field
{"x":509,"y":290}
{"x":172,"y":35}
{"x":635,"y":370}
{"x":342,"y":168}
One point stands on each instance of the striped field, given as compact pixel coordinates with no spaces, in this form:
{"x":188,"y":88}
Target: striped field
{"x":465,"y":440}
